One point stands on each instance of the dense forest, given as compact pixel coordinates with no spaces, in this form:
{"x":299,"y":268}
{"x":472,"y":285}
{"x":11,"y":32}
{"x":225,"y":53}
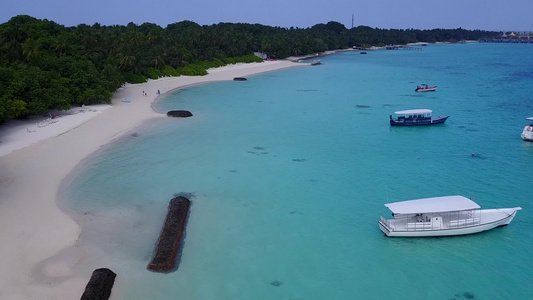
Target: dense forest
{"x":44,"y":65}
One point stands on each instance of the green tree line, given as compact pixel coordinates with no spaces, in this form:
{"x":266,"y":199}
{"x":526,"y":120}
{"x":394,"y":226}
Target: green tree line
{"x":45,"y":65}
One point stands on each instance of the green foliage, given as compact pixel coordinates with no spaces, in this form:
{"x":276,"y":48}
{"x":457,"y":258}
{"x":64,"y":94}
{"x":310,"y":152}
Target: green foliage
{"x":169,"y":71}
{"x":154,"y":73}
{"x":133,"y":78}
{"x":11,"y":108}
{"x":193,"y":70}
{"x":248,"y":59}
{"x":230,"y":60}
{"x":44,"y":65}
{"x":242,"y":59}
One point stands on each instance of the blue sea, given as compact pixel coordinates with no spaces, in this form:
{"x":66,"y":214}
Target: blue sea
{"x":288,"y":173}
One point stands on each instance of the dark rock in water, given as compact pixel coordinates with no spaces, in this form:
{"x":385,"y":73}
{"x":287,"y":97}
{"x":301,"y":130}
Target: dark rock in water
{"x":100,"y":285}
{"x":166,"y":250}
{"x":179,"y":113}
{"x":468,"y":295}
{"x":240,"y":79}
{"x":277,"y":283}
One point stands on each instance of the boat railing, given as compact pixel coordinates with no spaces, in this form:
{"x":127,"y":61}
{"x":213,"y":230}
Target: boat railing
{"x":420,"y":226}
{"x":386,"y":222}
{"x":464,"y":222}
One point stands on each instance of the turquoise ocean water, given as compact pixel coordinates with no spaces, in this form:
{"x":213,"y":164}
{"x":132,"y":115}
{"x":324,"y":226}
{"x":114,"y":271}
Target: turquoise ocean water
{"x":288,"y":173}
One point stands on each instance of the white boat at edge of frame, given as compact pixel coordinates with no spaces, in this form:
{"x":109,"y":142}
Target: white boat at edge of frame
{"x":527,"y":133}
{"x":442,"y":216}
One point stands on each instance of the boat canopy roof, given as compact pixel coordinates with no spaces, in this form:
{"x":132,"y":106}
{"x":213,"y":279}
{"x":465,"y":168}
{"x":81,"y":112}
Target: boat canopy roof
{"x":432,"y":205}
{"x":413,"y":111}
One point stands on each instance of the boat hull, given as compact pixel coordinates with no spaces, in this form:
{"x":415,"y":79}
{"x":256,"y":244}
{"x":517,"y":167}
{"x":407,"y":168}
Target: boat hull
{"x":490,"y":218}
{"x":418,"y":122}
{"x":428,"y":89}
{"x":527,"y":134}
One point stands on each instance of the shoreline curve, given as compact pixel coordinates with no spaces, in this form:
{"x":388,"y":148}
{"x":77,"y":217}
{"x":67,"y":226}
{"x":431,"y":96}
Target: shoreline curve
{"x":39,"y":238}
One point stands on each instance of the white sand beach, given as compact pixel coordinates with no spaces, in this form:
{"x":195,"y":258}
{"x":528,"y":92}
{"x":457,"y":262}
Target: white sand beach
{"x":37,"y":154}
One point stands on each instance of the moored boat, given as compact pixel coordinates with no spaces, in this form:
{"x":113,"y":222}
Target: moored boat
{"x":415,"y":117}
{"x":425,"y":88}
{"x":442,"y":216}
{"x":527,"y":134}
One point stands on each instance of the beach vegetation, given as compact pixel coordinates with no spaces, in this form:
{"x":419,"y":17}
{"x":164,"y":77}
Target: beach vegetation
{"x":193,"y":70}
{"x":215,"y":63}
{"x":133,"y":78}
{"x":45,"y":65}
{"x":169,"y":71}
{"x":153,"y":73}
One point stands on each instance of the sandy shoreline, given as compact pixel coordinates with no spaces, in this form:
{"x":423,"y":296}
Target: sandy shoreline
{"x":36,"y":155}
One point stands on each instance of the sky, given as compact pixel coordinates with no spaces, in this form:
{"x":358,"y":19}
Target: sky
{"x":494,"y":15}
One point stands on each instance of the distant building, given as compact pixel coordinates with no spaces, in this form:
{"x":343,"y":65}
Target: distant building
{"x":508,"y":38}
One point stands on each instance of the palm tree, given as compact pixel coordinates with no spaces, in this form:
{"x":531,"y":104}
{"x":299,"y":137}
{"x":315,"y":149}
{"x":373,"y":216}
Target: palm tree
{"x":31,"y":51}
{"x":126,"y":62}
{"x":61,"y":45}
{"x":157,"y":61}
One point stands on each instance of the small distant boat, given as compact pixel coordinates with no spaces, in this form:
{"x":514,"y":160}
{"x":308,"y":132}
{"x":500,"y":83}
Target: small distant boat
{"x":315,"y":62}
{"x":527,"y":134}
{"x":363,"y":52}
{"x":240,"y":79}
{"x":425,"y":88}
{"x":442,"y":216}
{"x":416,"y":117}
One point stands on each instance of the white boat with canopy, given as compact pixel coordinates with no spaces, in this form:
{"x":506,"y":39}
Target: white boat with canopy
{"x":442,"y":216}
{"x":527,"y":134}
{"x":415,"y":117}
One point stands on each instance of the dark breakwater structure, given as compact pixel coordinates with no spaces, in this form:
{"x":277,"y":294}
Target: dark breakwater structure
{"x":100,"y":285}
{"x":179,"y":113}
{"x":164,"y":259}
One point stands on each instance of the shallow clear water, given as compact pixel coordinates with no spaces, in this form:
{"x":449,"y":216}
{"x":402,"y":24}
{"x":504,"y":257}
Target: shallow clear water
{"x":288,"y":173}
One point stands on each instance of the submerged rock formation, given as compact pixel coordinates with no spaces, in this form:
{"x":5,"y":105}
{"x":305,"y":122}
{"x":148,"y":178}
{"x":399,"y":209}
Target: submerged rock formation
{"x":179,"y":113}
{"x":100,"y":285}
{"x":164,"y":259}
